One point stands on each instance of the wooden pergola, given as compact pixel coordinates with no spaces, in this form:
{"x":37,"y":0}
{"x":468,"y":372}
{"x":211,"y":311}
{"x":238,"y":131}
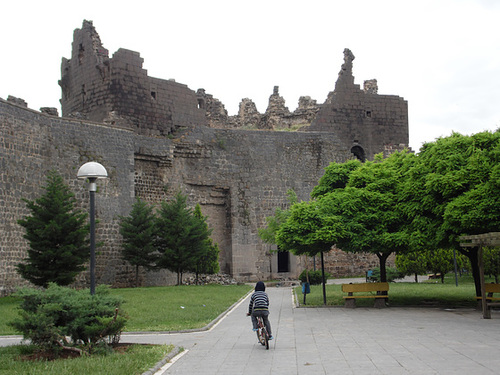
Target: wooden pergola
{"x":480,"y":240}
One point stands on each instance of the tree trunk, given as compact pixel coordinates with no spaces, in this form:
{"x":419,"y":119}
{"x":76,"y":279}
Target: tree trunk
{"x":137,"y":276}
{"x":383,"y":271}
{"x":271,"y":266}
{"x":416,"y":277}
{"x":323,"y":277}
{"x":474,"y":263}
{"x":382,"y":257}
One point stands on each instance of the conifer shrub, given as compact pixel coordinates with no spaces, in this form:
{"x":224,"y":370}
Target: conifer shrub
{"x":391,"y":273}
{"x":315,"y":277}
{"x":60,"y":317}
{"x":57,"y":233}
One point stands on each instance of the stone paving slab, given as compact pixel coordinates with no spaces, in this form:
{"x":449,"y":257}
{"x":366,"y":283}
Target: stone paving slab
{"x":335,"y":340}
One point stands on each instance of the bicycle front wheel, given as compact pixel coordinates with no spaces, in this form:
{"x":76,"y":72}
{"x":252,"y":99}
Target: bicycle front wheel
{"x":266,"y":338}
{"x":261,"y":336}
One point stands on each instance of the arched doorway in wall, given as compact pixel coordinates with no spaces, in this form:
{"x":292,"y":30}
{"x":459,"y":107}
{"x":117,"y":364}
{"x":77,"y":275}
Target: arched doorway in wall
{"x":359,"y":153}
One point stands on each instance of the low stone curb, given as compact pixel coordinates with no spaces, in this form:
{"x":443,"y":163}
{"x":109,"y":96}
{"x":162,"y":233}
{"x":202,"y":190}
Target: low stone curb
{"x":153,"y":370}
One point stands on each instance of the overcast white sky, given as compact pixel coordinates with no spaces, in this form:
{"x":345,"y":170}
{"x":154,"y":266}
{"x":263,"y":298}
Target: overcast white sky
{"x":442,"y":56}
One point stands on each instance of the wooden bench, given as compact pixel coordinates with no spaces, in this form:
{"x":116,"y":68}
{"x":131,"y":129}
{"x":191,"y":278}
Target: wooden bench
{"x":365,"y":288}
{"x":490,"y":290}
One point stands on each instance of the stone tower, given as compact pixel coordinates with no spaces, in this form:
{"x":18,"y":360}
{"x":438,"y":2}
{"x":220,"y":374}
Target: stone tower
{"x":118,"y":90}
{"x":369,"y":123}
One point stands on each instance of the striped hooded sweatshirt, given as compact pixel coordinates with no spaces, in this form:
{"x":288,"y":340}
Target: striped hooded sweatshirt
{"x":259,"y":299}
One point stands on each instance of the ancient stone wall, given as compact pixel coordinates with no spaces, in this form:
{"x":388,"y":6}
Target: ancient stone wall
{"x":342,"y":264}
{"x":151,"y":136}
{"x":31,"y":144}
{"x":276,"y":117}
{"x":239,"y":177}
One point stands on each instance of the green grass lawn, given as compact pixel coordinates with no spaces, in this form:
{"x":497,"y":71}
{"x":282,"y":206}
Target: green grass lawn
{"x":168,"y":308}
{"x":175,"y":308}
{"x":8,"y":311}
{"x":426,"y":293}
{"x":149,"y":309}
{"x":136,"y":360}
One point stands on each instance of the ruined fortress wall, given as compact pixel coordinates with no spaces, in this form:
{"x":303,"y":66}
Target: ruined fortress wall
{"x":365,"y":120}
{"x":154,"y":106}
{"x":150,"y":135}
{"x":31,"y":144}
{"x":239,"y":178}
{"x":361,"y":118}
{"x":256,"y":169}
{"x":118,"y":91}
{"x":85,"y":77}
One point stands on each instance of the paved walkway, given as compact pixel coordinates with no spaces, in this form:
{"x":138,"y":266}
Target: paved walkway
{"x":336,"y":340}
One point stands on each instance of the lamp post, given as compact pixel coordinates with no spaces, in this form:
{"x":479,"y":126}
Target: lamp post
{"x":92,"y":171}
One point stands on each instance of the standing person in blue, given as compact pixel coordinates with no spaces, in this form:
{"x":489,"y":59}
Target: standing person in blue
{"x":259,"y":306}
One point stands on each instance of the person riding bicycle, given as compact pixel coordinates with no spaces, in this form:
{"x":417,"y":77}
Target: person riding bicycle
{"x":259,"y":306}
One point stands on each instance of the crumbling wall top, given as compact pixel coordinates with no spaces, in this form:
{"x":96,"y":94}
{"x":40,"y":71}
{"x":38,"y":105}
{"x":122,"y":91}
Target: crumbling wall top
{"x":346,"y":78}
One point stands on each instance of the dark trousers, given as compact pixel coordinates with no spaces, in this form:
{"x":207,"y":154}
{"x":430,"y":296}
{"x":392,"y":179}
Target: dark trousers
{"x":264,"y":314}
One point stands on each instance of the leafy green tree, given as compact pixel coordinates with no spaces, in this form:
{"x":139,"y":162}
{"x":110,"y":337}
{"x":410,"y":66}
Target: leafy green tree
{"x":181,"y":238}
{"x":440,"y":262}
{"x":208,"y":261}
{"x":298,"y":235}
{"x":310,"y":229}
{"x":411,"y":263}
{"x":453,"y":189}
{"x":369,"y":206}
{"x":57,"y":233}
{"x":268,"y":234}
{"x":336,"y":177}
{"x":208,"y":264}
{"x":356,"y":209}
{"x":138,"y":232}
{"x":491,"y":257}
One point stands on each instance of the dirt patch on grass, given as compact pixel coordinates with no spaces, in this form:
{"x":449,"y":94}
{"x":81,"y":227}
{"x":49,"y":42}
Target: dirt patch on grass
{"x":49,"y":355}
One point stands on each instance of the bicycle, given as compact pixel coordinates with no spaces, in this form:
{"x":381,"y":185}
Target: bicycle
{"x":262,"y":334}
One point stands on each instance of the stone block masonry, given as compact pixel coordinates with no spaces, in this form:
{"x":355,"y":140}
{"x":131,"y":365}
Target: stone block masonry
{"x":156,"y":137}
{"x":238,"y":177}
{"x":31,"y":144}
{"x":118,"y":91}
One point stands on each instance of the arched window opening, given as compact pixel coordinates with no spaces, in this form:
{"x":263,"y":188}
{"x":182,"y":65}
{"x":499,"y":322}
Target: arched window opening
{"x":359,"y":153}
